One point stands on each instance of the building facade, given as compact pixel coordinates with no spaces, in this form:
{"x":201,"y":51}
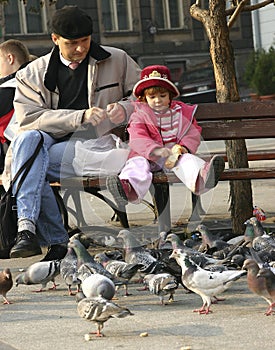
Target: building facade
{"x":151,"y":31}
{"x":263,"y":27}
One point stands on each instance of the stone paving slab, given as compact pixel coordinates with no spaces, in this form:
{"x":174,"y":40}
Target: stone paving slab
{"x":49,"y":320}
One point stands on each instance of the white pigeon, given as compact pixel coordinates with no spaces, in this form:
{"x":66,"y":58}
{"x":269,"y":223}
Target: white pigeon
{"x":98,"y":285}
{"x":40,"y":272}
{"x":203,"y":282}
{"x":100,"y":310}
{"x":161,"y":284}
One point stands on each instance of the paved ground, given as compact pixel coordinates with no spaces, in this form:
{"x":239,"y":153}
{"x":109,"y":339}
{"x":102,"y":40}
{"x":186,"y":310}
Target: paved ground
{"x":49,"y":320}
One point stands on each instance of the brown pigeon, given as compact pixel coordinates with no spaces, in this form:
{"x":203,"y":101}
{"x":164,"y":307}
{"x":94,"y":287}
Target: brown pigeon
{"x":269,"y":276}
{"x":257,"y":285}
{"x":5,"y":283}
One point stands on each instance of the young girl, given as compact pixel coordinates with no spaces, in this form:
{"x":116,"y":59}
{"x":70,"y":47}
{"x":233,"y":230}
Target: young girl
{"x":163,"y":134}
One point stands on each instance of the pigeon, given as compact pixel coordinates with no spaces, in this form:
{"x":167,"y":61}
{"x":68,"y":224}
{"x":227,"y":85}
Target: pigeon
{"x":205,"y":283}
{"x":121,"y":269}
{"x":256,"y":225}
{"x":265,"y":247}
{"x":6,"y":284}
{"x":83,"y":238}
{"x":257,"y":284}
{"x":84,"y":257}
{"x":269,"y":276}
{"x":161,"y":242}
{"x":161,"y":284}
{"x":40,"y":272}
{"x":102,"y":239}
{"x":68,"y":270}
{"x":135,"y":253}
{"x":98,"y":285}
{"x":198,"y":257}
{"x":209,"y":243}
{"x":99,"y":311}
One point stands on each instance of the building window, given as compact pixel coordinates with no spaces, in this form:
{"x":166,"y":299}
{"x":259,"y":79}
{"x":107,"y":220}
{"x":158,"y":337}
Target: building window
{"x":25,"y":17}
{"x":116,"y":15}
{"x":168,"y":14}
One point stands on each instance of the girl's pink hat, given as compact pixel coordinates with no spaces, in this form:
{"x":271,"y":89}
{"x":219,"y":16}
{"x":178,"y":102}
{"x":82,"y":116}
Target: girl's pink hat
{"x":155,"y":76}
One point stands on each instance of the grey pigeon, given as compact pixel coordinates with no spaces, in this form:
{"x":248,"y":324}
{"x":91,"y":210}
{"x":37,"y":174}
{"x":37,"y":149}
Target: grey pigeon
{"x":256,"y":226}
{"x":6,"y":284}
{"x":135,"y":253}
{"x":269,"y":276}
{"x":209,"y":243}
{"x":99,"y":311}
{"x":257,"y":285}
{"x":161,"y":284}
{"x":203,"y":282}
{"x":84,"y":257}
{"x":83,"y":238}
{"x":121,"y":269}
{"x":40,"y":272}
{"x":265,"y":247}
{"x":68,"y":271}
{"x":198,"y":257}
{"x":98,"y":285}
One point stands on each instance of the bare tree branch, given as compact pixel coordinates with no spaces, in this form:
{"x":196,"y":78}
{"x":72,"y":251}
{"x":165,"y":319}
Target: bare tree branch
{"x":236,"y":13}
{"x":249,"y":8}
{"x":200,"y":14}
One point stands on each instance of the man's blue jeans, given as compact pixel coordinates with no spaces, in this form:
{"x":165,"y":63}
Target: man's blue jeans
{"x":35,"y":199}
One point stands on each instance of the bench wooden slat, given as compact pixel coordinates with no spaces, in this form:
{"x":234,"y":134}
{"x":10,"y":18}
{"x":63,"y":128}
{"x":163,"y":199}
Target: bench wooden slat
{"x":252,"y":155}
{"x":228,"y":174}
{"x":238,"y":129}
{"x":253,"y":109}
{"x":248,"y":174}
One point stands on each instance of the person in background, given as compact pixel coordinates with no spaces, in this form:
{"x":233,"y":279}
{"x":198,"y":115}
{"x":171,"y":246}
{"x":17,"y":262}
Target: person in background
{"x":72,"y":92}
{"x":163,"y":133}
{"x":14,"y":55}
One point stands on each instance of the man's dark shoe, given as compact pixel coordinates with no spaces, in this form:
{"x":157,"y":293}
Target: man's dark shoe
{"x":55,"y":252}
{"x":26,"y":245}
{"x":114,"y":186}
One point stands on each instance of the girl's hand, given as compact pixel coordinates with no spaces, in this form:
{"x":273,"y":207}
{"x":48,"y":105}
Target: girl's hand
{"x":162,"y":152}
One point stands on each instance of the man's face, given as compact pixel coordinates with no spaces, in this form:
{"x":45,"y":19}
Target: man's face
{"x":73,"y":49}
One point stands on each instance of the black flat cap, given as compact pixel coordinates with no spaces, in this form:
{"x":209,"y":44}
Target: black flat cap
{"x":71,"y":22}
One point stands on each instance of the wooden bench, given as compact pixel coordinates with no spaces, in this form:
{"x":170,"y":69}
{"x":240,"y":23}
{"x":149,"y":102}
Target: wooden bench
{"x":224,"y":121}
{"x":227,"y":121}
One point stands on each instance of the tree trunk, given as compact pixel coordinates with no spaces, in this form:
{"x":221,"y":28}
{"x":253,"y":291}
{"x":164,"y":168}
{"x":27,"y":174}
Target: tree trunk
{"x":222,"y":57}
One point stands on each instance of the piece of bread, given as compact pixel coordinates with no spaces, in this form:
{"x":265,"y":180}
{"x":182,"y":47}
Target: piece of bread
{"x":172,"y":160}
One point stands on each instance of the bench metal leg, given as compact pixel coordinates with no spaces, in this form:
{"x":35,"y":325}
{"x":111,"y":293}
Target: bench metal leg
{"x":62,"y":207}
{"x":78,"y":212}
{"x":162,"y":203}
{"x":120,"y":212}
{"x":197,"y":209}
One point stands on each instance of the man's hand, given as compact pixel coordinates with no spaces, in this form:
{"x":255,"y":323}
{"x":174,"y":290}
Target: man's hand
{"x":116,"y":113}
{"x":94,"y":116}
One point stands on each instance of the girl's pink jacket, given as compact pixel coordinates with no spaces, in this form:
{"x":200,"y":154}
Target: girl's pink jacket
{"x":144,"y":134}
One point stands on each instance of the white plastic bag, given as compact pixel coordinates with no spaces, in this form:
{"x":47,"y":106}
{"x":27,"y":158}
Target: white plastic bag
{"x":105,"y":155}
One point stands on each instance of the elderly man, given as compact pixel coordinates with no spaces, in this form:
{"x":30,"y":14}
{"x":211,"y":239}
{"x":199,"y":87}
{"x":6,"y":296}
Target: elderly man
{"x":64,"y":94}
